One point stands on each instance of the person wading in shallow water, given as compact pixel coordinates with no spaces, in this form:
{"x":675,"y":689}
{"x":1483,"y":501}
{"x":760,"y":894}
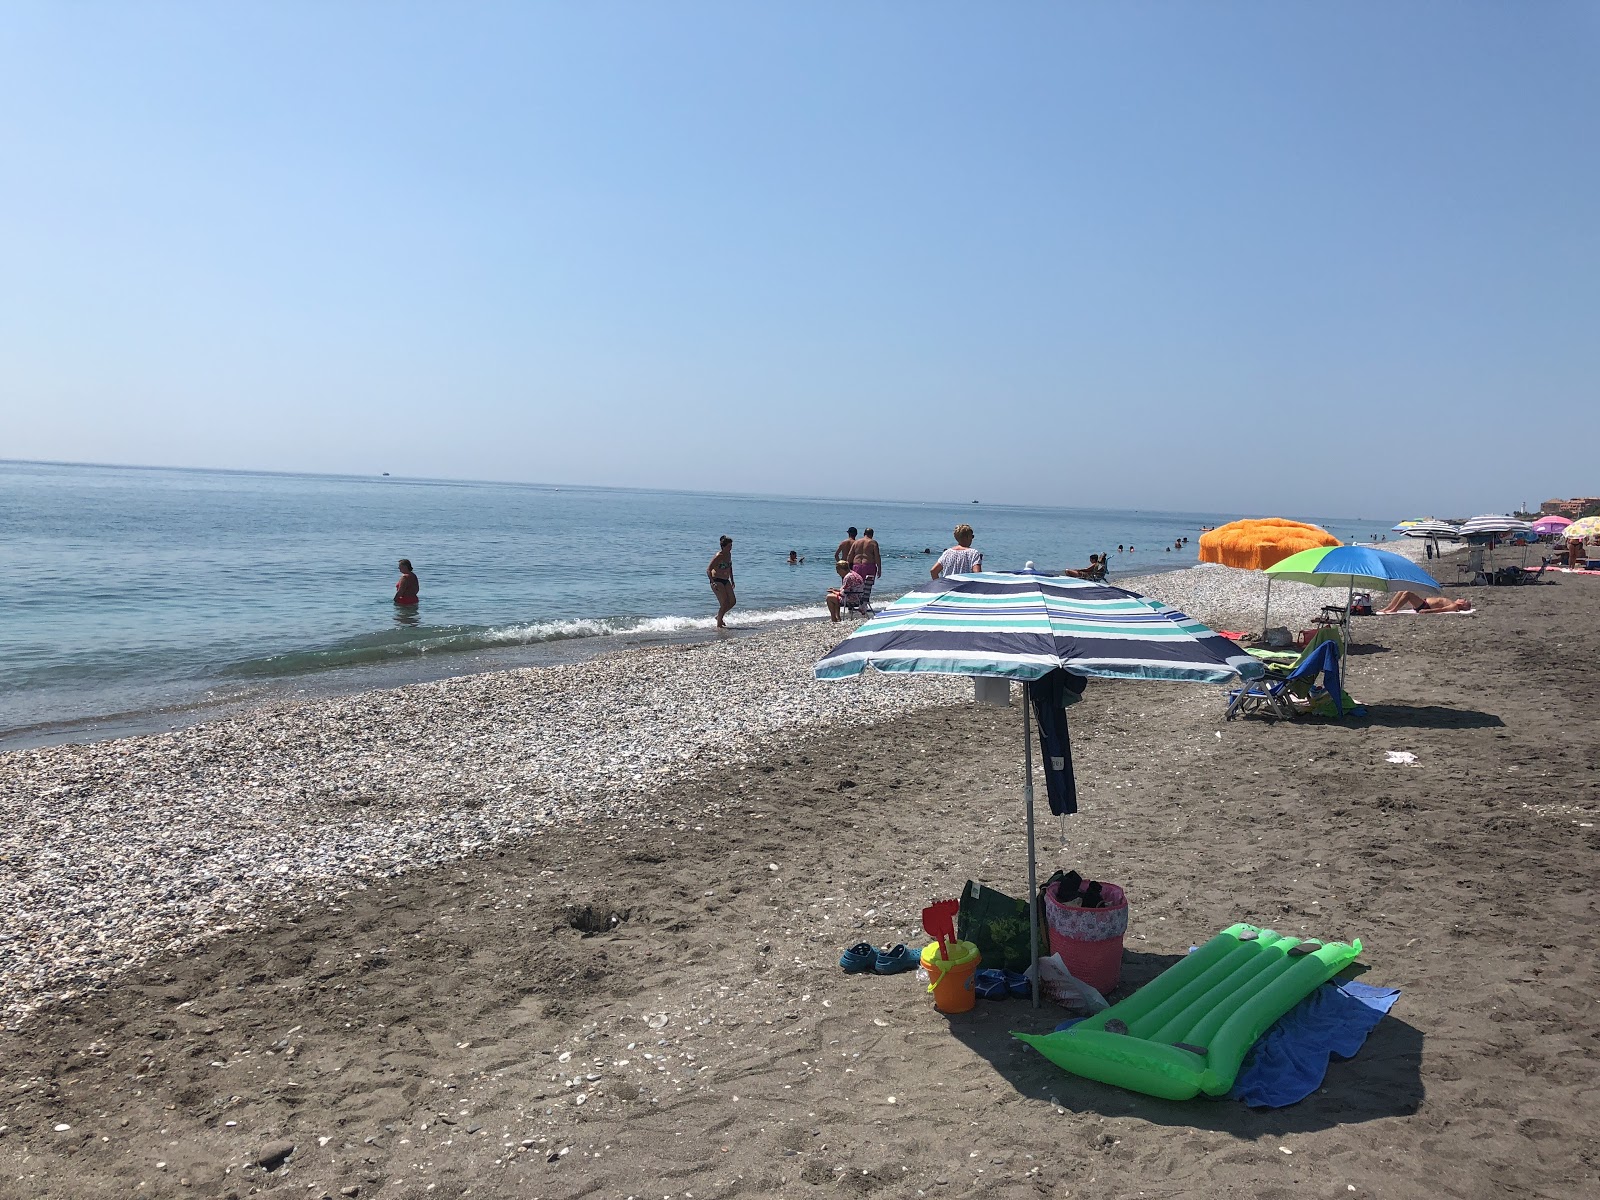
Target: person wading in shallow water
{"x":720,"y":572}
{"x":866,"y":558}
{"x":405,"y":591}
{"x":841,"y":552}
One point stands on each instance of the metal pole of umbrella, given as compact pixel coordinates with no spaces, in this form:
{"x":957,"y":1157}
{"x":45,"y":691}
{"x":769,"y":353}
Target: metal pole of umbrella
{"x":1268,"y":608}
{"x":1033,"y":883}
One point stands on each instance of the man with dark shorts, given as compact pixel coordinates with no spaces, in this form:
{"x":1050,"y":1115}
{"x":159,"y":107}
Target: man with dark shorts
{"x":842,"y":554}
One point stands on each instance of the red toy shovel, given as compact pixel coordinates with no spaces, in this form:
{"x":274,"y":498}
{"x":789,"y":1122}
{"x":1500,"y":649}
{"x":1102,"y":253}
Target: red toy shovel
{"x":939,"y":921}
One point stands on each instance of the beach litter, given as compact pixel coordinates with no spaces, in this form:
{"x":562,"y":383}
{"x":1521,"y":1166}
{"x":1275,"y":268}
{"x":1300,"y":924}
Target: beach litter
{"x":1400,"y":756}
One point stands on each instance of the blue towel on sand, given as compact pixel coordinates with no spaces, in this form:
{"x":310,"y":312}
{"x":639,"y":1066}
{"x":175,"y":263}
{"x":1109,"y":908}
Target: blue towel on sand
{"x":1291,"y":1059}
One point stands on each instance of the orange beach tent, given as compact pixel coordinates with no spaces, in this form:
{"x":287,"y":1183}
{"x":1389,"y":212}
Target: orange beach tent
{"x":1257,"y":545}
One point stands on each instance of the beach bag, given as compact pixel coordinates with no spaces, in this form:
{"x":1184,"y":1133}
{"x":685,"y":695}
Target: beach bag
{"x":1089,"y":940}
{"x":998,"y":925}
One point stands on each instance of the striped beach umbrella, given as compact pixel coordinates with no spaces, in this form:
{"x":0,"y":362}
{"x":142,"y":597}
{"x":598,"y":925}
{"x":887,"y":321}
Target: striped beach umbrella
{"x":1495,"y":523}
{"x":1431,"y":529}
{"x":1023,"y":627}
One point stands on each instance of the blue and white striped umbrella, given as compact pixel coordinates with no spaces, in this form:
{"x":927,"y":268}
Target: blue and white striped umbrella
{"x":1023,"y":627}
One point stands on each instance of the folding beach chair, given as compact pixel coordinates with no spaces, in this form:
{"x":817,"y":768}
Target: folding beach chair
{"x":1296,"y":693}
{"x":863,"y":605}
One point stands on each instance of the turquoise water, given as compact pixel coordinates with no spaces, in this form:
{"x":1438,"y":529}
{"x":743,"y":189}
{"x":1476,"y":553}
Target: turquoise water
{"x":129,"y":592}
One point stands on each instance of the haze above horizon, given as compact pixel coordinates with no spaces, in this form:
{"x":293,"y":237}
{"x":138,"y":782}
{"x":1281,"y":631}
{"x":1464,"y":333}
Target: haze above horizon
{"x":1193,"y":258}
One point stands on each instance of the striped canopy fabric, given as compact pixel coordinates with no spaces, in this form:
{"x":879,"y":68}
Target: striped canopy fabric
{"x":1023,"y":627}
{"x":1432,"y":529}
{"x":1495,"y":523}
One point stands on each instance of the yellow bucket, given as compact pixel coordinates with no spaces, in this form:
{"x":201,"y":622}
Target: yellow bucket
{"x":951,"y":976}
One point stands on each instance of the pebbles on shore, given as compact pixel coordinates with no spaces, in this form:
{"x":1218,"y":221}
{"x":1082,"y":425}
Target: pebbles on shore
{"x":113,"y":851}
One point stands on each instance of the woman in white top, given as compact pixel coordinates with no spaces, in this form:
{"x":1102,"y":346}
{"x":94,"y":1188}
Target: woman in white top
{"x":960,"y":559}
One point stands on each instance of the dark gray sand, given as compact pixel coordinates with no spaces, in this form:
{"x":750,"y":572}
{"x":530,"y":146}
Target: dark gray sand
{"x":433,"y":1035}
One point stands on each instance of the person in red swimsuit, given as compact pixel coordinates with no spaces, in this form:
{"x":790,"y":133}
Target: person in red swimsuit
{"x":405,"y":591}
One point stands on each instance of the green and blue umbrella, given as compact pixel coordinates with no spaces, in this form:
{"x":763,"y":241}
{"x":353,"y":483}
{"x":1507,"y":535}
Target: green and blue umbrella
{"x":1355,"y":566}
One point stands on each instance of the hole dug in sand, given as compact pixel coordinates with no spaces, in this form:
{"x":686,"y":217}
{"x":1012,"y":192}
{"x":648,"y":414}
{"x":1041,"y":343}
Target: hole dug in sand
{"x":594,"y":918}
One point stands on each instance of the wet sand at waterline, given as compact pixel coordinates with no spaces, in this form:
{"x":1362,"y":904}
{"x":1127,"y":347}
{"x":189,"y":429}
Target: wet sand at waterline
{"x":672,"y":962}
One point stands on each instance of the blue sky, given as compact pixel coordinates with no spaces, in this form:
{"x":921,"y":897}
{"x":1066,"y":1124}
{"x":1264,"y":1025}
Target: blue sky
{"x":1241,"y":257}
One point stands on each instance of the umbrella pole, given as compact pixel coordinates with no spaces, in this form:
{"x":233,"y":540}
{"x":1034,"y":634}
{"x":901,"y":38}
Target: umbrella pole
{"x":1344,"y":642}
{"x":1033,"y":883}
{"x":1268,"y":608}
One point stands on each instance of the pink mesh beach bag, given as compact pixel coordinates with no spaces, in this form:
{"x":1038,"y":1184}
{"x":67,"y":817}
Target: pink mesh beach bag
{"x":1089,"y":940}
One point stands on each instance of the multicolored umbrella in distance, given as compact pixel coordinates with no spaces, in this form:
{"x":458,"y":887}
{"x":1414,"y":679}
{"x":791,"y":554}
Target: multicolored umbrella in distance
{"x":1583,"y":528}
{"x":1255,"y":545}
{"x":1025,"y":626}
{"x":1356,"y":566}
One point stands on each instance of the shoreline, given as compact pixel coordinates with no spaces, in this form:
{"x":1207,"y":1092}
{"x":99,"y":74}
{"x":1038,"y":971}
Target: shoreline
{"x":354,"y":680}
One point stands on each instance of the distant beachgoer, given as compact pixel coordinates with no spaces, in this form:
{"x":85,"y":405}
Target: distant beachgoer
{"x":795,"y":561}
{"x":960,"y":559}
{"x":866,"y":559}
{"x":1119,"y":547}
{"x":405,"y":591}
{"x":842,"y":551}
{"x":1401,"y":601}
{"x":720,"y":572}
{"x":927,"y":549}
{"x":852,"y":590}
{"x":1428,"y":546}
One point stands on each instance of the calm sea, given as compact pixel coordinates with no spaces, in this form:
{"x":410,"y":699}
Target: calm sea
{"x":133,"y":598}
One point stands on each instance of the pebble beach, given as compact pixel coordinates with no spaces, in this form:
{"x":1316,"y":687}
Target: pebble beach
{"x":114,"y":851}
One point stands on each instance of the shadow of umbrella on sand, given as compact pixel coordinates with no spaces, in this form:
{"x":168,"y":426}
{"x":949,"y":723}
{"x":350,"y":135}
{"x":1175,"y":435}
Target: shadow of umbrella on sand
{"x":1037,"y":630}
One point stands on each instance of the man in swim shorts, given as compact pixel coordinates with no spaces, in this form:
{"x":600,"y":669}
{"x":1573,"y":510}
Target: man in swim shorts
{"x":866,"y":559}
{"x":841,"y":553}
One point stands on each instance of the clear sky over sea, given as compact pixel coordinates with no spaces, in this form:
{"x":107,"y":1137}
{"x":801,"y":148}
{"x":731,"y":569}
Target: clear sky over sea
{"x":1223,"y":256}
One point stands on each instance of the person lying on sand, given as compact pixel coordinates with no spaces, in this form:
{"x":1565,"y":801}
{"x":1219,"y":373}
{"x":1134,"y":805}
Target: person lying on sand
{"x":1401,"y":601}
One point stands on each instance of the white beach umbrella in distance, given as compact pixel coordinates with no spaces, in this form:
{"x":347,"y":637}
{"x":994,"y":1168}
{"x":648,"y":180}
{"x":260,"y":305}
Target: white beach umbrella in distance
{"x":1496,"y":523}
{"x":1432,"y":529}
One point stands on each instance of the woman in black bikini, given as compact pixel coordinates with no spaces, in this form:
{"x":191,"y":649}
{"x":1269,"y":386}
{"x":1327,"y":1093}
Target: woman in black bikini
{"x":720,"y":572}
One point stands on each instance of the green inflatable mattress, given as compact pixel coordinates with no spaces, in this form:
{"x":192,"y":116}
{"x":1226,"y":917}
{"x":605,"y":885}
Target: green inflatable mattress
{"x":1187,"y":1031}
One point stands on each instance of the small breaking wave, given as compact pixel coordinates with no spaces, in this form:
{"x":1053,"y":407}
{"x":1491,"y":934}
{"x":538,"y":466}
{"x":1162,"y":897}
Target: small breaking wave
{"x":399,"y":645}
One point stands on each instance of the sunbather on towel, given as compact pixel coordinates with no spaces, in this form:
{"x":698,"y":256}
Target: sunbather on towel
{"x":1401,"y":601}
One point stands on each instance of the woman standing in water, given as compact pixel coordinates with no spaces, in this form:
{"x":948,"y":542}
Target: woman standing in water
{"x":720,"y":573}
{"x":405,"y":591}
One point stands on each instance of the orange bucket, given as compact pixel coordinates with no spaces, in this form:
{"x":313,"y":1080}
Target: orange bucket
{"x":951,"y":976}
